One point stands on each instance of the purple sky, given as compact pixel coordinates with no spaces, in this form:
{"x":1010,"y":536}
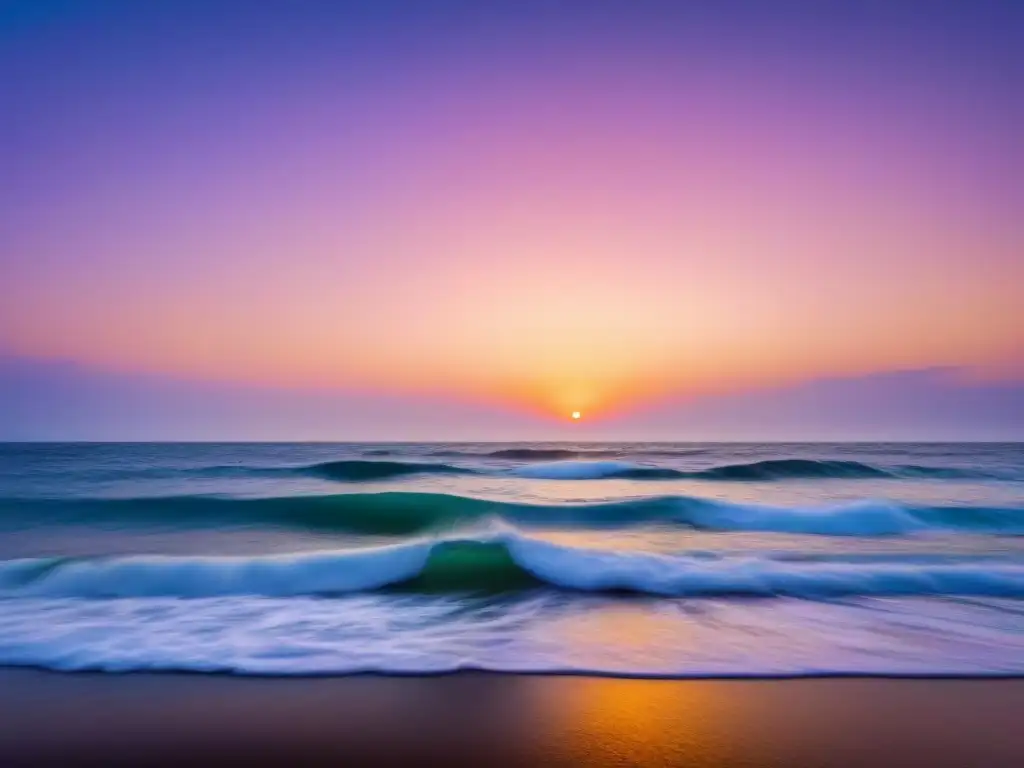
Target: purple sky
{"x":463,"y":219}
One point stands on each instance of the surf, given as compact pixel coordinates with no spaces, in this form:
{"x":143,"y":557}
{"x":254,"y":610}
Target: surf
{"x":757,"y":471}
{"x":595,"y":470}
{"x":558,"y":464}
{"x":502,"y":562}
{"x":399,"y":513}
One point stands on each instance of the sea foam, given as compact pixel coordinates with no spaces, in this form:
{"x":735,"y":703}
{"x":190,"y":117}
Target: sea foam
{"x":500,"y":559}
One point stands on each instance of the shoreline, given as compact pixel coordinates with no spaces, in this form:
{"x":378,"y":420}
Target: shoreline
{"x":164,"y":718}
{"x":479,"y":671}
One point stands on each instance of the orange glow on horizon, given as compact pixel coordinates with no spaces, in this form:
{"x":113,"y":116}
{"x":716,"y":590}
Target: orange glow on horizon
{"x":543,"y":240}
{"x":499,"y":320}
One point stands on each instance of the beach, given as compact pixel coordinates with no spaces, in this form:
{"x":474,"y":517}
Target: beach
{"x":535,"y":604}
{"x":493,"y":719}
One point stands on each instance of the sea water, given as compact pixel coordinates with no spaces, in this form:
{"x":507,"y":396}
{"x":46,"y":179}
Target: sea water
{"x":642,"y":559}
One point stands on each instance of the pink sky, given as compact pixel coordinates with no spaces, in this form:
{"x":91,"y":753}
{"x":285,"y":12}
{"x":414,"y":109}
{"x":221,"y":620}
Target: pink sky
{"x":641,"y":209}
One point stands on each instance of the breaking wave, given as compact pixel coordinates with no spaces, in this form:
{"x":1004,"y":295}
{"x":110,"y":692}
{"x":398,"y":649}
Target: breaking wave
{"x":400,"y":513}
{"x":505,"y":561}
{"x":568,"y":465}
{"x":557,"y":465}
{"x":819,"y":469}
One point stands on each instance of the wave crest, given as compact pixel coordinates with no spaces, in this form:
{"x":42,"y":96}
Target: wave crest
{"x":594,"y":470}
{"x":503,"y":562}
{"x":776,"y":469}
{"x":401,"y":513}
{"x":558,"y":464}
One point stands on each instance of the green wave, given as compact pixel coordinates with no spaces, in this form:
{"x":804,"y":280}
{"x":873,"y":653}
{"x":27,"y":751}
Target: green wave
{"x":506,"y":561}
{"x":402,"y":513}
{"x":470,"y":566}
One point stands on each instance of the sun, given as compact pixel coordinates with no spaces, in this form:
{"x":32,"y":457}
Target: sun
{"x":576,"y":415}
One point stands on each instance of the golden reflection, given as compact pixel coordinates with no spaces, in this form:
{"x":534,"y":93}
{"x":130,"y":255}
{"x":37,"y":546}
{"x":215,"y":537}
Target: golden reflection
{"x":596,"y":721}
{"x":639,"y":722}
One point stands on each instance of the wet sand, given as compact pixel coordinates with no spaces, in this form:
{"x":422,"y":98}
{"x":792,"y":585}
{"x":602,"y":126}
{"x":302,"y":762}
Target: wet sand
{"x":488,"y":719}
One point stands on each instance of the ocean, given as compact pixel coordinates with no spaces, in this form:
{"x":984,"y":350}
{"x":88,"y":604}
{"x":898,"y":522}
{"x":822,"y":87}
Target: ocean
{"x":641,"y":559}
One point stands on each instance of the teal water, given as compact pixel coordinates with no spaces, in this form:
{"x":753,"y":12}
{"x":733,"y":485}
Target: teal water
{"x":628,"y":559}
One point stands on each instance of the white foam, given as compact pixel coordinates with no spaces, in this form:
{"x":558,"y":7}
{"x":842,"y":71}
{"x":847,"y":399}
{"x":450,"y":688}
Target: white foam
{"x":390,"y":633}
{"x":574,"y":470}
{"x":559,"y":565}
{"x":306,"y":574}
{"x":860,"y":518}
{"x":596,"y":570}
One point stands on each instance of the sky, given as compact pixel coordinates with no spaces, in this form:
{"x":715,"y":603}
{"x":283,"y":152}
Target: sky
{"x":447,"y":220}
